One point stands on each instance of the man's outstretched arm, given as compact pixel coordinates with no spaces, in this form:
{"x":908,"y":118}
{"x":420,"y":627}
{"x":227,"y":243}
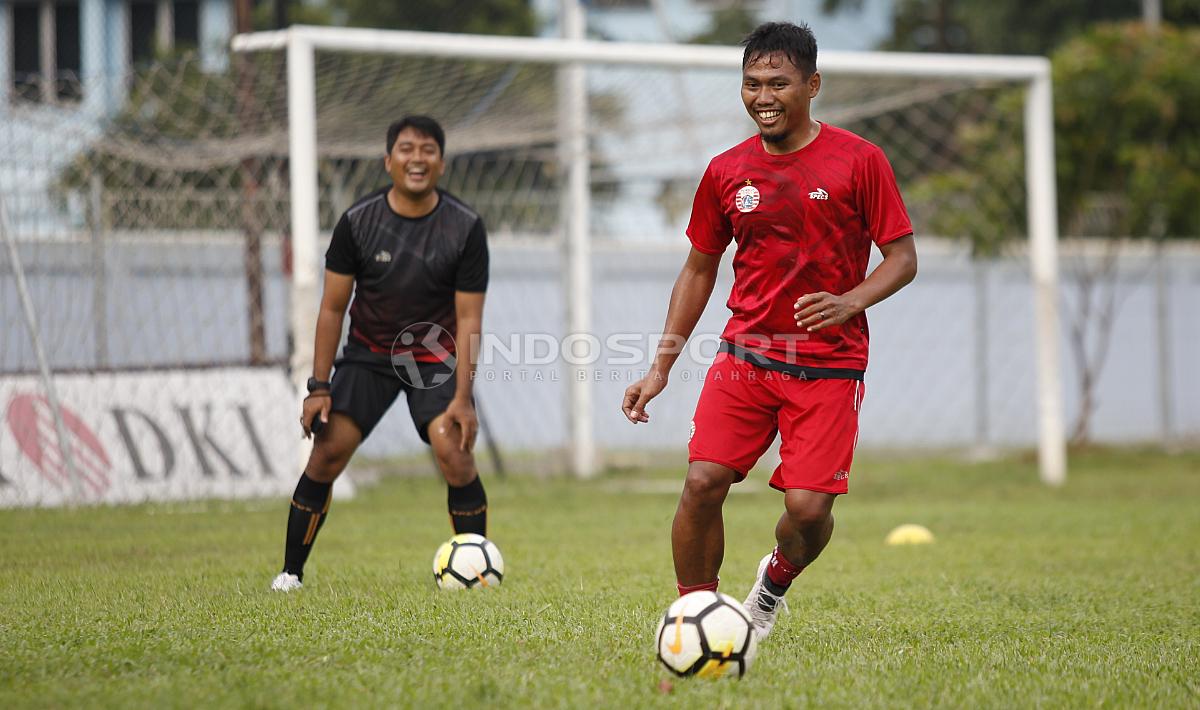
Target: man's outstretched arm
{"x":693,"y":287}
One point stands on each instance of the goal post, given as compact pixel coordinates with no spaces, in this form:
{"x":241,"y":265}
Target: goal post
{"x":1039,"y":203}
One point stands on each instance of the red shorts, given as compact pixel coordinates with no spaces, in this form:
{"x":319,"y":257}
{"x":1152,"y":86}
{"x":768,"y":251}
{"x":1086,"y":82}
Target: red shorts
{"x":742,"y":406}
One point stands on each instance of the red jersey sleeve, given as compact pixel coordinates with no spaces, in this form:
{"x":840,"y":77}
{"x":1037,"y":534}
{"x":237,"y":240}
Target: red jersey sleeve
{"x":709,"y":229}
{"x":879,"y":200}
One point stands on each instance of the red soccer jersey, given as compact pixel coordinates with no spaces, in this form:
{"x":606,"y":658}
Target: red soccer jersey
{"x":804,"y":222}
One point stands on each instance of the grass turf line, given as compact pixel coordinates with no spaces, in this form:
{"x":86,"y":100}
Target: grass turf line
{"x":1087,"y":595}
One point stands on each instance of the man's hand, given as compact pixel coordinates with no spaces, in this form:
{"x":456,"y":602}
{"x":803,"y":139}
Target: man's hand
{"x":640,"y":393}
{"x":462,"y":413}
{"x":315,"y":405}
{"x":815,"y":311}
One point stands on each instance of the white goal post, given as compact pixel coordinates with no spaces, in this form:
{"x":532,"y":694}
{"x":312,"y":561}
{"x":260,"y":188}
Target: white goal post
{"x":301,"y":43}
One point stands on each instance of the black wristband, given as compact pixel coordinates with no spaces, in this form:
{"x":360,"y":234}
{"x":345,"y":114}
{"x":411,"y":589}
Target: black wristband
{"x":314,"y":384}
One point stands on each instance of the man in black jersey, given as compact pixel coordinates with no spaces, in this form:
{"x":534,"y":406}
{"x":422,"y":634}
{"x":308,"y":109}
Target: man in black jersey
{"x":416,"y":259}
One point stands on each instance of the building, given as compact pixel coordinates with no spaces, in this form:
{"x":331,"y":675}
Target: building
{"x":75,"y":53}
{"x":64,"y":68}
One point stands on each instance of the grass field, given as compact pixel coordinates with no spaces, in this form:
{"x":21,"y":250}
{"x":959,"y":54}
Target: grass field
{"x":1084,"y":596}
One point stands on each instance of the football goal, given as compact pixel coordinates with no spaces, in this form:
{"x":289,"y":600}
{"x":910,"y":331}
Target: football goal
{"x":162,"y":260}
{"x":590,"y":150}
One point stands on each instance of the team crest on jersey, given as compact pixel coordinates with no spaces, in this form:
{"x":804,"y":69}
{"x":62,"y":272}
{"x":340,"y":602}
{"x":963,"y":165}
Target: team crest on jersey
{"x":384,"y":257}
{"x":747,"y":198}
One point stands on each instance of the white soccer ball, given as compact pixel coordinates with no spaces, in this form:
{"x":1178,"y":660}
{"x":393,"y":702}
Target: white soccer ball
{"x":706,"y":634}
{"x":468,"y":561}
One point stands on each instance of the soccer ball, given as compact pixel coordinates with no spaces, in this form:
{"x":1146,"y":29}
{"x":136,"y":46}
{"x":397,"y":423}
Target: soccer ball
{"x":468,"y":561}
{"x":706,"y":634}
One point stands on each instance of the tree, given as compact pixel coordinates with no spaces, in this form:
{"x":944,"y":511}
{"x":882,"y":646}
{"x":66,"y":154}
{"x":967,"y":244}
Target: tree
{"x":1006,"y":26}
{"x":729,"y":25}
{"x":1126,"y":145}
{"x":499,"y":17}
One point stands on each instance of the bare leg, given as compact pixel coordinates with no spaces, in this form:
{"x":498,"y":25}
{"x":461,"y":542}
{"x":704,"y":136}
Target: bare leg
{"x":457,"y":467}
{"x":333,"y":448}
{"x":698,"y":533}
{"x":805,"y":526}
{"x":466,"y":499}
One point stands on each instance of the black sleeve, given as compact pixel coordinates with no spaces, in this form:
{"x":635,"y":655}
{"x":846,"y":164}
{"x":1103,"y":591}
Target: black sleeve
{"x":473,"y":263}
{"x":342,"y":255}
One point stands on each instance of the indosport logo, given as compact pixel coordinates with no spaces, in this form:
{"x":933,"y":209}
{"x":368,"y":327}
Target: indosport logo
{"x":31,"y":421}
{"x":423,"y":356}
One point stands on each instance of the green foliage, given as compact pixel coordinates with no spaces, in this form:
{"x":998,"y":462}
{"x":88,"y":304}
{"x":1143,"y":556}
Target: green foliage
{"x":162,"y":161}
{"x":1006,"y":26}
{"x":980,"y":197}
{"x":197,"y":150}
{"x":1124,"y":105}
{"x":730,"y":24}
{"x":1030,"y":597}
{"x":1125,"y":109}
{"x":500,"y":17}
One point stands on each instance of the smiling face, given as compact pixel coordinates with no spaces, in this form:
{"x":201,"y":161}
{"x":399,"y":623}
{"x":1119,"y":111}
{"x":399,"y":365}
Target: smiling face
{"x":415,"y":163}
{"x":778,"y":97}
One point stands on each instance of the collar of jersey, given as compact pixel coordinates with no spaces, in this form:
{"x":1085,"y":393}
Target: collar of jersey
{"x":761,"y":149}
{"x":441,"y":198}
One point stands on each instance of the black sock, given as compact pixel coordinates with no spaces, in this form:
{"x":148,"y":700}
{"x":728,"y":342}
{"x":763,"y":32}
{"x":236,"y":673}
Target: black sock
{"x":772,"y":587}
{"x":310,"y":506}
{"x":468,"y":508}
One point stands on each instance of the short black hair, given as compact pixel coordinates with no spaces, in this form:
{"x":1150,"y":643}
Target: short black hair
{"x":424,"y":125}
{"x":796,"y":42}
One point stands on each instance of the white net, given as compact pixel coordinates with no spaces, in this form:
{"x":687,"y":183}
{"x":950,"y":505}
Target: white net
{"x":150,"y":242}
{"x":154,"y":242}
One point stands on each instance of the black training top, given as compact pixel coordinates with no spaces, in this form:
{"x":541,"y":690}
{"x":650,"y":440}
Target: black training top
{"x":406,"y":271}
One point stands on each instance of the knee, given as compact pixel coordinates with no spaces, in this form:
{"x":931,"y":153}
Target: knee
{"x":707,"y":483}
{"x":458,"y":467}
{"x":327,"y":461}
{"x":808,"y":515}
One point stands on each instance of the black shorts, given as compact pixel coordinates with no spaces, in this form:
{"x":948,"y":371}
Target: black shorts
{"x":364,"y":392}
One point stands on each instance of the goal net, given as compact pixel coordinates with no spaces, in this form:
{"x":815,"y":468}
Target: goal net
{"x":172,"y":252}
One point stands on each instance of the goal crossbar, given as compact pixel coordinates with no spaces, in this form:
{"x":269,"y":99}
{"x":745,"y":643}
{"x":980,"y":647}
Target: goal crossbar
{"x":562,"y":51}
{"x":300,"y":42}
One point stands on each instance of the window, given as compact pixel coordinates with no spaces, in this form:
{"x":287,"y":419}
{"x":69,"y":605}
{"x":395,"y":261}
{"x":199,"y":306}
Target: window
{"x":66,"y":53}
{"x":27,"y":52}
{"x":143,"y":31}
{"x":187,"y":23}
{"x":39,"y":72}
{"x":151,"y":33}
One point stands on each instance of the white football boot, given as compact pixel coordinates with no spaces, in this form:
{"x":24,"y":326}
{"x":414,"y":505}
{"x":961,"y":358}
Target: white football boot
{"x":285,"y":582}
{"x":761,"y":604}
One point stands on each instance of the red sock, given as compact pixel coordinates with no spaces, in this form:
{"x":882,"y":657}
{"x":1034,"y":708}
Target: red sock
{"x":706,"y":587}
{"x":780,"y":571}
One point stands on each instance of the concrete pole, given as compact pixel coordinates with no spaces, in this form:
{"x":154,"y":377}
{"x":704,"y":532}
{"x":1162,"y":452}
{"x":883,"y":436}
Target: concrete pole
{"x":48,"y":69}
{"x":91,"y":57}
{"x":1152,"y":14}
{"x":164,"y":26}
{"x":6,"y":67}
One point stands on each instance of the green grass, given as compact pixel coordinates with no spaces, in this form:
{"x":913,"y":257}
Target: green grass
{"x":1084,"y":596}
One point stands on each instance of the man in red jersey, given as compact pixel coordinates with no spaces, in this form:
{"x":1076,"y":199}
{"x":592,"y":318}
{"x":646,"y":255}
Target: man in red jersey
{"x":804,"y":201}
